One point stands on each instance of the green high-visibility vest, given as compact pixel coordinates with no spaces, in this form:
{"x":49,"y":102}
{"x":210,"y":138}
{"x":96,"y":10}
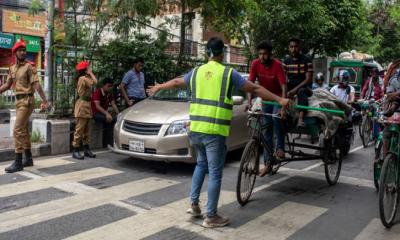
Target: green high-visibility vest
{"x":211,"y":101}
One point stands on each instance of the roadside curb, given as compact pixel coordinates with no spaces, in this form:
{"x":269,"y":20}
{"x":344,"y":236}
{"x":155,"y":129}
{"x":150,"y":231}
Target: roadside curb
{"x":38,"y":150}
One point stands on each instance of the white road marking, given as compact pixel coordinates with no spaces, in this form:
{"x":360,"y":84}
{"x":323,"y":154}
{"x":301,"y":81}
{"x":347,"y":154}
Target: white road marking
{"x":46,"y":182}
{"x":356,"y":149}
{"x":89,"y":199}
{"x":38,"y":164}
{"x":279,"y":223}
{"x":376,"y":231}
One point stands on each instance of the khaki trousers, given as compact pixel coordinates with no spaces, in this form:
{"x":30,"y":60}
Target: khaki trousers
{"x":22,"y":138}
{"x":81,"y":134}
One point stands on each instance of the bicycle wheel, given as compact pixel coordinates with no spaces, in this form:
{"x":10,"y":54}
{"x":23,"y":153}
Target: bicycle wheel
{"x":378,"y":162}
{"x":360,"y":128}
{"x":366,"y":131}
{"x":332,"y":160}
{"x":248,"y":170}
{"x":388,"y":190}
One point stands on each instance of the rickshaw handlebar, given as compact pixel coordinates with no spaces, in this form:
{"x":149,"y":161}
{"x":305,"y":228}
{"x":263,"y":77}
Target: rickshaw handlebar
{"x":333,"y":111}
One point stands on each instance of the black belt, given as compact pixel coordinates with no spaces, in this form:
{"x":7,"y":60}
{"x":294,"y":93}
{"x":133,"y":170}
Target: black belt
{"x":23,"y":95}
{"x":85,"y":98}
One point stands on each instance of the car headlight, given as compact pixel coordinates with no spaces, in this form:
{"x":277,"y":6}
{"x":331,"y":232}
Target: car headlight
{"x":178,"y":127}
{"x":120,"y":118}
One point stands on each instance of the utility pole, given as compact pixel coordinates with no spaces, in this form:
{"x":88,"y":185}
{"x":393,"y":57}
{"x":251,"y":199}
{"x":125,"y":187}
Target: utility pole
{"x":183,"y":28}
{"x":49,"y":51}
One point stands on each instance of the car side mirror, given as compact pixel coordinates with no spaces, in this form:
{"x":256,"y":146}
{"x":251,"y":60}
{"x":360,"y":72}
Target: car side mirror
{"x":237,"y":100}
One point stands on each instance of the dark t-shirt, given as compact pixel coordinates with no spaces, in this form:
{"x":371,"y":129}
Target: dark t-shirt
{"x":296,"y":69}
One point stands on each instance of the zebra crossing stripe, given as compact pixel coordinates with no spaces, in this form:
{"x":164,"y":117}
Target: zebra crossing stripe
{"x":375,"y":230}
{"x":158,"y":219}
{"x":50,"y":181}
{"x":58,"y":208}
{"x":279,"y":223}
{"x":149,"y":222}
{"x":45,"y":163}
{"x":317,"y":175}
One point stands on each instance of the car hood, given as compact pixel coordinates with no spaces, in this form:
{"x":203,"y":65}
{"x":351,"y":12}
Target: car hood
{"x":155,"y":111}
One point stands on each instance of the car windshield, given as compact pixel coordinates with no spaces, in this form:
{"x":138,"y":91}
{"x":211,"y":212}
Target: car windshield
{"x":352,"y":71}
{"x":180,"y":95}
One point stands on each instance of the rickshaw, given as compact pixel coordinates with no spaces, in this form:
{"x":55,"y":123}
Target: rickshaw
{"x":330,"y":149}
{"x":359,"y":72}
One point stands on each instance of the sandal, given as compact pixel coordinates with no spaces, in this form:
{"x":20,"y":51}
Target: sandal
{"x":280,"y":154}
{"x":301,"y":124}
{"x":266,"y":170}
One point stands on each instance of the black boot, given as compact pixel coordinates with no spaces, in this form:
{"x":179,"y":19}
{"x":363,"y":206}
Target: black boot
{"x":76,"y":154}
{"x":16,"y":165}
{"x":27,"y":161}
{"x":88,"y":152}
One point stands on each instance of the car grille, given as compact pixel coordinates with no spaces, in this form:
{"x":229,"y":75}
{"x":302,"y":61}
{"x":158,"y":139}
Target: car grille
{"x":141,"y":128}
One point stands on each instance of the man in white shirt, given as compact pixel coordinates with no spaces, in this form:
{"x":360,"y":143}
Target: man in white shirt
{"x":344,"y":91}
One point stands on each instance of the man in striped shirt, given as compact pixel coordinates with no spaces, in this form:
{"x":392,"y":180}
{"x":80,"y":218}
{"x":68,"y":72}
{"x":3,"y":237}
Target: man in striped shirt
{"x":299,"y":71}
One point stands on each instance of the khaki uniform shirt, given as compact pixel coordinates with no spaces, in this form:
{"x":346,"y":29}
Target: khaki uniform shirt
{"x":83,"y":108}
{"x":23,"y":75}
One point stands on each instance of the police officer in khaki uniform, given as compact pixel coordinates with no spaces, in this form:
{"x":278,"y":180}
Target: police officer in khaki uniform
{"x":83,"y":110}
{"x":24,"y":76}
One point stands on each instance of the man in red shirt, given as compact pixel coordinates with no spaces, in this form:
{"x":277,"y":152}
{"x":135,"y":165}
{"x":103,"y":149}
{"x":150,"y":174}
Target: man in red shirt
{"x":101,"y":100}
{"x":270,"y":74}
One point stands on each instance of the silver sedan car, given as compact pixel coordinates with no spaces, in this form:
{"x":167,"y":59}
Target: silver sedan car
{"x":157,"y":128}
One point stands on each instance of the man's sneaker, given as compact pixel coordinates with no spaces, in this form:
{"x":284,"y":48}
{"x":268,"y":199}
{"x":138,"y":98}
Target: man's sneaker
{"x":216,"y":221}
{"x":194,"y":210}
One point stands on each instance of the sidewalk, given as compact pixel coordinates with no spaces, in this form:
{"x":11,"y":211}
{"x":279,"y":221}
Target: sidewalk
{"x":7,"y":150}
{"x":6,"y":141}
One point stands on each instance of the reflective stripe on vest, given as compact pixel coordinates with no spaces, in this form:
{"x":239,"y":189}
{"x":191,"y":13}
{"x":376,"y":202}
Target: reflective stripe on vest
{"x":211,"y":102}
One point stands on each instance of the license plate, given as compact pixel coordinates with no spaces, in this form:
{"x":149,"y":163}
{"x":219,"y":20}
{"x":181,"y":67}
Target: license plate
{"x":136,"y":146}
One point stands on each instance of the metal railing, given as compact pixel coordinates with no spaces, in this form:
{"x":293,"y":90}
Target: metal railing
{"x":7,"y":99}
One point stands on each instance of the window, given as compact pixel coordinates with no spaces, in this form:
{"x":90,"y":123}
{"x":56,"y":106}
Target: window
{"x":352,"y":70}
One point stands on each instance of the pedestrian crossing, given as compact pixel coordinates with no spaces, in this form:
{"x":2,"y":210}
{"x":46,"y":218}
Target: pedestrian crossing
{"x":50,"y":181}
{"x":45,"y":163}
{"x":283,"y":220}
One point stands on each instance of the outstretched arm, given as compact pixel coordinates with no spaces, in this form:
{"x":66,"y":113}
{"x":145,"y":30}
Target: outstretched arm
{"x":174,"y":83}
{"x":264,"y":93}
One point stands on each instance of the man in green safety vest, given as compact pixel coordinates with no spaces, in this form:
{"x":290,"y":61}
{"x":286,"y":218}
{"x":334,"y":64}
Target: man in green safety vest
{"x":210,"y":119}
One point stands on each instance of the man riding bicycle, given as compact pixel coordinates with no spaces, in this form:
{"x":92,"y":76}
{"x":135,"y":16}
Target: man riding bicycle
{"x":373,"y":87}
{"x":270,"y":74}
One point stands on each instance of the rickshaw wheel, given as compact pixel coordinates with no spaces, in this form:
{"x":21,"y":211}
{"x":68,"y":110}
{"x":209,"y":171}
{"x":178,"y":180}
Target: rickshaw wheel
{"x":248,"y":171}
{"x":388,"y":190}
{"x":332,"y":157}
{"x":379,"y":157}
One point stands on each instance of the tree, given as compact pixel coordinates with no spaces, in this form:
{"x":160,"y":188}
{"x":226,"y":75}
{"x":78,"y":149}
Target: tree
{"x":385,"y":19}
{"x":326,"y":26}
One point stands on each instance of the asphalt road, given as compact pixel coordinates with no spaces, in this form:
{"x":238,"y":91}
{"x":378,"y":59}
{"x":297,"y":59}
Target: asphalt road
{"x":116,"y":197}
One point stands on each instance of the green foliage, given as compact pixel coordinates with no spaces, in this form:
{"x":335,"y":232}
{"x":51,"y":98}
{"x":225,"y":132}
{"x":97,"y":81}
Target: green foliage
{"x":325,"y":26}
{"x":36,"y":137}
{"x":116,"y":58}
{"x":384,"y":16}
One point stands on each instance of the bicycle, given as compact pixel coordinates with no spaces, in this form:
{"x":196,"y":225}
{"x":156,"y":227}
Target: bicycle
{"x":330,"y":151}
{"x":369,"y":126}
{"x":389,"y":182}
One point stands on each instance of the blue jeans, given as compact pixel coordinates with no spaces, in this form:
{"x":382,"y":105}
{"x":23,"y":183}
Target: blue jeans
{"x":274,"y":129}
{"x":210,"y":153}
{"x":376,"y":127}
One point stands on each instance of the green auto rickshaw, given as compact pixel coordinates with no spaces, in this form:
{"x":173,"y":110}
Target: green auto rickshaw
{"x":359,"y":72}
